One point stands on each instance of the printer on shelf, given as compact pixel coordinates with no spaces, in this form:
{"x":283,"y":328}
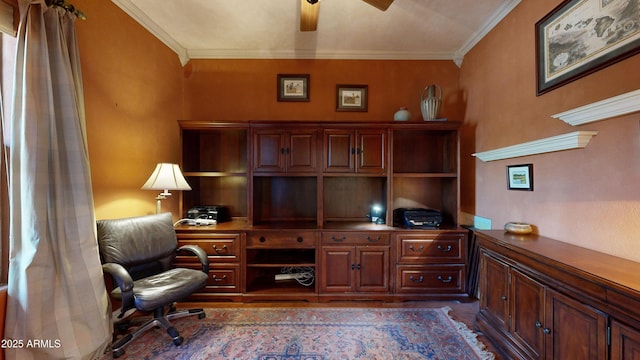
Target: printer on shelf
{"x":209,"y":212}
{"x":417,"y":218}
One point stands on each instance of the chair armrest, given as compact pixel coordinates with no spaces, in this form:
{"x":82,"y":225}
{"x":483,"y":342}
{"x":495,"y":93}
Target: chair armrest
{"x":202,"y":255}
{"x":125,"y":283}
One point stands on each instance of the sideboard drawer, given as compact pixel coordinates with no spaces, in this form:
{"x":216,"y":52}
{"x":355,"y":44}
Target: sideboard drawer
{"x":281,"y":239}
{"x":355,"y":238}
{"x":424,"y":248}
{"x":436,"y":279}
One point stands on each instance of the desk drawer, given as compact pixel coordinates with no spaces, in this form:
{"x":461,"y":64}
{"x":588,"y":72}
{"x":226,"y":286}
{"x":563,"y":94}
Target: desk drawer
{"x":430,"y":279}
{"x":431,"y":248}
{"x":219,"y":247}
{"x":355,"y":238}
{"x":281,"y":239}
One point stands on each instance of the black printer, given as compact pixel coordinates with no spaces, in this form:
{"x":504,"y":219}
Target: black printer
{"x":417,"y":218}
{"x":209,"y":212}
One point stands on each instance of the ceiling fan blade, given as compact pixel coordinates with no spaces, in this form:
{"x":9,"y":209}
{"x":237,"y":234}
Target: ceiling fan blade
{"x":308,"y":16}
{"x":380,"y":4}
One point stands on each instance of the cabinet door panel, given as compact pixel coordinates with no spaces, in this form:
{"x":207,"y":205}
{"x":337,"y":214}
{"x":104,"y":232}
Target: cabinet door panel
{"x":339,"y":151}
{"x":337,"y":275}
{"x":373,"y":268}
{"x":576,"y":331}
{"x":267,"y":152}
{"x":494,"y":289}
{"x":527,"y":312}
{"x":301,"y":151}
{"x":625,"y":342}
{"x":371,"y":151}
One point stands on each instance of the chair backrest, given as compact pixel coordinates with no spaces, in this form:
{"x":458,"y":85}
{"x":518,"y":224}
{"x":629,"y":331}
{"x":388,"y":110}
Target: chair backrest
{"x":143,"y":245}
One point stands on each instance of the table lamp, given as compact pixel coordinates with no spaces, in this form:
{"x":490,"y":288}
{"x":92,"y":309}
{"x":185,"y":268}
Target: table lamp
{"x":165,"y":177}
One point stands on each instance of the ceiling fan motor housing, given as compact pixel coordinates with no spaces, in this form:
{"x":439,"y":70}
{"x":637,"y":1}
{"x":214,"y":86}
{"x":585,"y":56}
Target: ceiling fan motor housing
{"x":312,"y":1}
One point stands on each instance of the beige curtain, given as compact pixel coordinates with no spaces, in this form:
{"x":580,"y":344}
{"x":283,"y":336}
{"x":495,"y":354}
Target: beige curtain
{"x":56,"y":289}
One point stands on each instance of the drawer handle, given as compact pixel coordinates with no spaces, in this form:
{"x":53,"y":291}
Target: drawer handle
{"x":413,"y":249}
{"x":216,"y":278}
{"x":262,"y":239}
{"x":215,"y":248}
{"x":418,"y":280}
{"x":447,"y":280}
{"x":373,"y":240}
{"x":299,"y":239}
{"x":338,"y":239}
{"x":443,"y":249}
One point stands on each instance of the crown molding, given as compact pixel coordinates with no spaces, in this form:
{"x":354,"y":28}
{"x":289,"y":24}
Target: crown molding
{"x":574,"y":140}
{"x":608,"y":108}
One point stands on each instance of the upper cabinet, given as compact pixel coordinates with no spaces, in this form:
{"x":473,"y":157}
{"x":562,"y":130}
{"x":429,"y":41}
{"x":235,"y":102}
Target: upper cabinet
{"x":282,"y":151}
{"x":355,"y":151}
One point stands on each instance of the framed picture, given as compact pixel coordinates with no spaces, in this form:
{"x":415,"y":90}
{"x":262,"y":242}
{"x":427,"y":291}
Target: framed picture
{"x":293,"y":87}
{"x":580,"y":37}
{"x":351,"y":97}
{"x":520,"y":177}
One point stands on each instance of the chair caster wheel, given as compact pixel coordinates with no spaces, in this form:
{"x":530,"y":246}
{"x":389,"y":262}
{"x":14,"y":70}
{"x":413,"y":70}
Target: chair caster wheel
{"x":202,"y":315}
{"x":178,"y":341}
{"x":117,"y":353}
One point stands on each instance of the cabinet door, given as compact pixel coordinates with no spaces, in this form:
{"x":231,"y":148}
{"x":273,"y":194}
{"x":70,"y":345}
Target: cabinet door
{"x":268,"y":151}
{"x":573,"y":330}
{"x":370,"y":151}
{"x":337,"y":274}
{"x":625,"y":342}
{"x":494,"y":281}
{"x":300,"y":151}
{"x":339,"y":150}
{"x":527,"y":313}
{"x":372,"y":269}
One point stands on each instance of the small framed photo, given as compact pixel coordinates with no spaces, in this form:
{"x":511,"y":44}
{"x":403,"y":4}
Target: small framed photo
{"x":520,"y":177}
{"x":293,"y":87}
{"x":351,"y":97}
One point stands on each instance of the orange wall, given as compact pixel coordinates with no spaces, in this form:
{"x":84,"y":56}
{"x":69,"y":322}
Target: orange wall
{"x":588,"y":197}
{"x":133,"y":96}
{"x":246,"y":89}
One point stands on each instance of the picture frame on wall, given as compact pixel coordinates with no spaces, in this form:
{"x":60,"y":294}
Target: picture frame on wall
{"x":293,"y":87}
{"x":580,"y":37}
{"x":520,"y":177}
{"x":352,"y":97}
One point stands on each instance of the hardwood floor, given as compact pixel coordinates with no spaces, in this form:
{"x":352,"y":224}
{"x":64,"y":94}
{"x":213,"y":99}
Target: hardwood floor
{"x":464,"y":312}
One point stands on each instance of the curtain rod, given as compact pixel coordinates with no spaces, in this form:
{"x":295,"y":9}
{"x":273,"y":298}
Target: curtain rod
{"x":67,"y":6}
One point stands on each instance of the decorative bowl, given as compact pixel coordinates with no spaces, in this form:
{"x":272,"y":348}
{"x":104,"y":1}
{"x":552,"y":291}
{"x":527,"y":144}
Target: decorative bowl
{"x":518,"y":228}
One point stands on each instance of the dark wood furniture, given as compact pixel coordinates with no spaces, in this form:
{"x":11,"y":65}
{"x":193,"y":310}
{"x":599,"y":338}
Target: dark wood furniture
{"x":299,"y":194}
{"x":545,"y":299}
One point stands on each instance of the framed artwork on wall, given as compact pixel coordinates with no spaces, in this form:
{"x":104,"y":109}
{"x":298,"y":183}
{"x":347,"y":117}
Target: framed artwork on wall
{"x":580,"y":37}
{"x":293,"y":87}
{"x":352,"y":97}
{"x":520,"y":177}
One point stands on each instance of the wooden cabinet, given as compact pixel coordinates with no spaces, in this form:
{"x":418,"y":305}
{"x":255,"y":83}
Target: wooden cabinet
{"x":270,"y":254}
{"x":276,"y":150}
{"x":355,"y":151}
{"x":431,"y":263}
{"x":354,"y":262}
{"x":224,"y":253}
{"x":543,"y":299}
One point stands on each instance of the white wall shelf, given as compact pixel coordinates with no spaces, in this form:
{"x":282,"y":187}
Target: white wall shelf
{"x":574,"y":140}
{"x":607,"y":108}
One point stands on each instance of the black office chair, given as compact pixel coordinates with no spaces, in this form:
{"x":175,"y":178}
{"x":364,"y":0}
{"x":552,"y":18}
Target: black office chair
{"x":138,"y":253}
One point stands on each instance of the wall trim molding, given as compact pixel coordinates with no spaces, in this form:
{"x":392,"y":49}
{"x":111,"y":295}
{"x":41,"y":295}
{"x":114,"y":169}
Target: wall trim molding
{"x":574,"y":140}
{"x":604,"y":109}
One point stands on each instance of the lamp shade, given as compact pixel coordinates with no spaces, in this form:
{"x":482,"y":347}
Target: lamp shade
{"x":166,"y":177}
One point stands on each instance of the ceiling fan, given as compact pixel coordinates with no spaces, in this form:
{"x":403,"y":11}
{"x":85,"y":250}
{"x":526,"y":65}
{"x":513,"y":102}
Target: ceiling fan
{"x":309,"y":12}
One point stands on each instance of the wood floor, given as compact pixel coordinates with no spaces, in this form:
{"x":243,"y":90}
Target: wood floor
{"x":461,"y":311}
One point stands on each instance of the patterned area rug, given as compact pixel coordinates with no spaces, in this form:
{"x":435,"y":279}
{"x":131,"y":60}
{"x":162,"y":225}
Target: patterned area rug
{"x":314,"y":334}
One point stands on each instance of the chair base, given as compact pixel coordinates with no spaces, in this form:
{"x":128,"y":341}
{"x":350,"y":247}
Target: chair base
{"x":160,"y":319}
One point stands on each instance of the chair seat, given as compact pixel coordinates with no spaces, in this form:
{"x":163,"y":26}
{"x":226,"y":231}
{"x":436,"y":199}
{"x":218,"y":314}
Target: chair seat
{"x":170,"y":286}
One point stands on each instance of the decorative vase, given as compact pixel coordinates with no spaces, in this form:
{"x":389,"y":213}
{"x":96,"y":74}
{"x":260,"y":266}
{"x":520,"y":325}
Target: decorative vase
{"x":402,"y":115}
{"x":430,"y":102}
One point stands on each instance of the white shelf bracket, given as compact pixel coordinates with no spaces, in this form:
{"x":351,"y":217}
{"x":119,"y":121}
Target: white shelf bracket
{"x":574,"y":140}
{"x":604,"y":109}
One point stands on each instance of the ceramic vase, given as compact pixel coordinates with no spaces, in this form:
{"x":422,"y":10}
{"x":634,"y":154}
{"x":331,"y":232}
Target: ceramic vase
{"x":402,"y":115}
{"x":430,"y":102}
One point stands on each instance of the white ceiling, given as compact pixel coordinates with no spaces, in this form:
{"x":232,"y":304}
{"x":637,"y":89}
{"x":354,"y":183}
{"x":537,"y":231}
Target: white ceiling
{"x":347,"y":29}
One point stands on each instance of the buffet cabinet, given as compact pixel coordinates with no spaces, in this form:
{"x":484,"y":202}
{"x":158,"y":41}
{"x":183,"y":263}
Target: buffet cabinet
{"x":545,"y":299}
